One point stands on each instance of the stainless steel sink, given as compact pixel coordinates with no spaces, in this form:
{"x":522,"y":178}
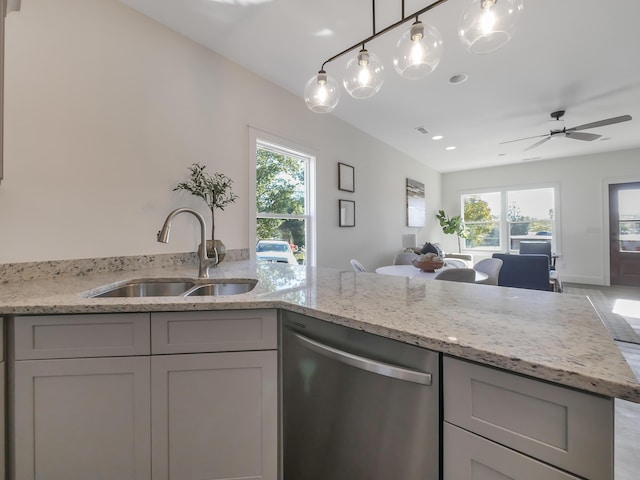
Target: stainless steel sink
{"x":222,"y":288}
{"x":149,"y":288}
{"x":178,"y":288}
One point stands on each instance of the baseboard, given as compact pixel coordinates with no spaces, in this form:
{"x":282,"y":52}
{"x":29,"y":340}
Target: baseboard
{"x":583,"y":279}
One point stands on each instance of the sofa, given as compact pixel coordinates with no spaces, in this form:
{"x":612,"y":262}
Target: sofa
{"x":525,"y":271}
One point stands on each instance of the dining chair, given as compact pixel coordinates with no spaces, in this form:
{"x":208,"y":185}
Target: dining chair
{"x":357,"y":266}
{"x":467,"y":275}
{"x":538,"y":248}
{"x":490,"y":266}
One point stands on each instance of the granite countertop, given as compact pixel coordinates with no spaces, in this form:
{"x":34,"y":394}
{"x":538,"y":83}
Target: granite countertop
{"x":550,"y":336}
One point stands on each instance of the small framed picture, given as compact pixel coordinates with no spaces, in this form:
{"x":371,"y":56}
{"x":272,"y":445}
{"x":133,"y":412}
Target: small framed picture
{"x":346,"y":180}
{"x":347,"y":212}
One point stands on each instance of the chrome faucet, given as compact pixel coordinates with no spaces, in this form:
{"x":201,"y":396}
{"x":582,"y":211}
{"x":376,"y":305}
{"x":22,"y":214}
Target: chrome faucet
{"x":205,"y":261}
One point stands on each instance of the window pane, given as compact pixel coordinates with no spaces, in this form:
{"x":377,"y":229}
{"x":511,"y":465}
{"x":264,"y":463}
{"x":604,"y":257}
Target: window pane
{"x":483,"y":235}
{"x":481,"y":214}
{"x":280,"y":183}
{"x":629,"y":236}
{"x":530,"y":215}
{"x":291,"y":231}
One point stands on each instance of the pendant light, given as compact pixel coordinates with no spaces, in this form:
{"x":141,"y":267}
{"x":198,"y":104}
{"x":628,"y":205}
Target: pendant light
{"x":418,"y":51}
{"x":321,"y":93}
{"x":486,"y":25}
{"x":363,"y":76}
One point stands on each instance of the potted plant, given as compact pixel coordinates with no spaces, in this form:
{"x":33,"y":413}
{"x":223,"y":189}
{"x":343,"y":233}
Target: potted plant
{"x":215,"y":190}
{"x":453,"y":225}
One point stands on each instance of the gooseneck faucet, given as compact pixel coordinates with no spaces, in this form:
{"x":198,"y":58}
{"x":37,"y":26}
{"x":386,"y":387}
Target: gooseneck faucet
{"x":205,"y":261}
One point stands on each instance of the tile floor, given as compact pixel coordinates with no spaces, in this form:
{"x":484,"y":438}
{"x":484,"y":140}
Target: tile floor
{"x":626,"y":301}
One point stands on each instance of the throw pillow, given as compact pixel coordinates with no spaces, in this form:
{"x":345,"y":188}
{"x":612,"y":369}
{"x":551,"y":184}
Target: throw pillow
{"x":433,"y":248}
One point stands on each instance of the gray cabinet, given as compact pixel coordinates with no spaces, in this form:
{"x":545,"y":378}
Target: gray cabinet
{"x":2,"y":401}
{"x":516,"y":425}
{"x":214,"y":416}
{"x":82,"y":418}
{"x":91,"y":400}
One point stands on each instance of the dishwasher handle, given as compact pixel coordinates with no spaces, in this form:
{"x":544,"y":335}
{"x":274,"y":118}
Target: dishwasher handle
{"x":367,"y":364}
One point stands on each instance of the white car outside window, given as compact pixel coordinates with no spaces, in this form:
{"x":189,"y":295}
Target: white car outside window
{"x":277,"y":251}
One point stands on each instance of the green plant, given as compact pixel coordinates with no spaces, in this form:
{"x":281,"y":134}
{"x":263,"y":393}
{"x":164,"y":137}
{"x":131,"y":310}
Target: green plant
{"x":214,"y":189}
{"x":453,"y":225}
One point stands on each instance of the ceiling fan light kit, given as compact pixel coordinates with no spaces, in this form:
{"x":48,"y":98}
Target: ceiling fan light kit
{"x":485,"y":26}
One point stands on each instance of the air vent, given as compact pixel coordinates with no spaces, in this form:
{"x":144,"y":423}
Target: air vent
{"x":422,"y":130}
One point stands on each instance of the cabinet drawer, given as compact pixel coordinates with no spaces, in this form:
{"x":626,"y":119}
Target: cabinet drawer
{"x":214,"y":331}
{"x":72,"y":336}
{"x":467,"y":456}
{"x":570,"y":429}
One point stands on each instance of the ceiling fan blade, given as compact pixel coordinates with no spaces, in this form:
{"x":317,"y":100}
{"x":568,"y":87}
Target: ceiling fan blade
{"x":601,"y":123}
{"x":583,"y":136}
{"x":537,"y":144}
{"x":526,"y":138}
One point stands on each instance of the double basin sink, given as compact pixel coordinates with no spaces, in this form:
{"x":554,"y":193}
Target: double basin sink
{"x":178,"y":288}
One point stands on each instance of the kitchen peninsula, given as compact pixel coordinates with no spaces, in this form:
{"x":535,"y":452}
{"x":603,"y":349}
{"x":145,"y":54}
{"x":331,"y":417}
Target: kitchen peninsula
{"x":556,"y":340}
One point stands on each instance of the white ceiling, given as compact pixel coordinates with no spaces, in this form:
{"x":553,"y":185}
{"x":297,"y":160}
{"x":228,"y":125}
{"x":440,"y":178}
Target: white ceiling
{"x":577,"y":55}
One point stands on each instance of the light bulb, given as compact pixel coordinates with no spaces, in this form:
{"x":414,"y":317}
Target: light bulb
{"x":486,"y":25}
{"x":487,"y":21}
{"x":418,"y":52}
{"x":321,"y":93}
{"x":363,"y":76}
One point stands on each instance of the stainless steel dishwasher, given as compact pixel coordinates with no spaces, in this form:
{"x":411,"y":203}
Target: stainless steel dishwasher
{"x":357,"y":406}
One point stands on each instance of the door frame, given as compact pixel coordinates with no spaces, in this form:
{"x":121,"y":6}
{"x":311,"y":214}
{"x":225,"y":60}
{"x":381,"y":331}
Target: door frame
{"x":605,"y":220}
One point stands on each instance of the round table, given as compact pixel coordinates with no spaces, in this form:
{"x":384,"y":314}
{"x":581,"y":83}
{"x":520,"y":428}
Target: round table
{"x":413,"y":272}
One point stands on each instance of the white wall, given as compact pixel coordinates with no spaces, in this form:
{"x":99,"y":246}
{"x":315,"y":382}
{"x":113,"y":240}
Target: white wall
{"x":104,"y":111}
{"x":583,"y":183}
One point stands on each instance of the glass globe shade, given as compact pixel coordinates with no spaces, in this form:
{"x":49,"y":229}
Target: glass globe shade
{"x":363,"y":76}
{"x":418,"y":52}
{"x":487,"y":25}
{"x":321,"y":93}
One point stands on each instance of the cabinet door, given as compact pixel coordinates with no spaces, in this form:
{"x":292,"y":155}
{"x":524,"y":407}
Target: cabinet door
{"x":82,"y":419}
{"x":467,"y":456}
{"x":214,"y":416}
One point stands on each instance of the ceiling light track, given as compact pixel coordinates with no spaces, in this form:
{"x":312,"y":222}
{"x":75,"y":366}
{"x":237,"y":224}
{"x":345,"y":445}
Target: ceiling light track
{"x":485,"y":25}
{"x":385,"y":30}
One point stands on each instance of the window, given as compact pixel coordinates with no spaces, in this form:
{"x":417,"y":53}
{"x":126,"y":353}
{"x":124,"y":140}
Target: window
{"x":283,"y":202}
{"x":501,"y":220}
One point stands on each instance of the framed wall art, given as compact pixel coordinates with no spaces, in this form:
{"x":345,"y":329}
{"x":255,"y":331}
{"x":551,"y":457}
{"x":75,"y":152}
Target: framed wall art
{"x":346,"y":177}
{"x":416,"y":208}
{"x":347,"y":212}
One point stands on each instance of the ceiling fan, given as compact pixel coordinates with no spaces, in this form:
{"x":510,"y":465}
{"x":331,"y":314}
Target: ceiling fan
{"x":557,"y":129}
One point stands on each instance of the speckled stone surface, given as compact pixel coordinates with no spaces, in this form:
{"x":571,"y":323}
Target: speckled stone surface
{"x":550,"y":336}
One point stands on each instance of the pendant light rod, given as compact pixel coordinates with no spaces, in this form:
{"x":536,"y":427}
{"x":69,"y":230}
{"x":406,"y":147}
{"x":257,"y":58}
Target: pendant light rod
{"x":382,"y":32}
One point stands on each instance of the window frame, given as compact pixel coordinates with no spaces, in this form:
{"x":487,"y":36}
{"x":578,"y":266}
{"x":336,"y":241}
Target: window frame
{"x":259,"y":138}
{"x":504,"y":223}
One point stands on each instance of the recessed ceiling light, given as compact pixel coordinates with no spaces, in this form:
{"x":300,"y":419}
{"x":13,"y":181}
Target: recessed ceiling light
{"x":501,"y":154}
{"x":325,"y":32}
{"x":458,"y":78}
{"x":437,"y":137}
{"x":451,"y":148}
